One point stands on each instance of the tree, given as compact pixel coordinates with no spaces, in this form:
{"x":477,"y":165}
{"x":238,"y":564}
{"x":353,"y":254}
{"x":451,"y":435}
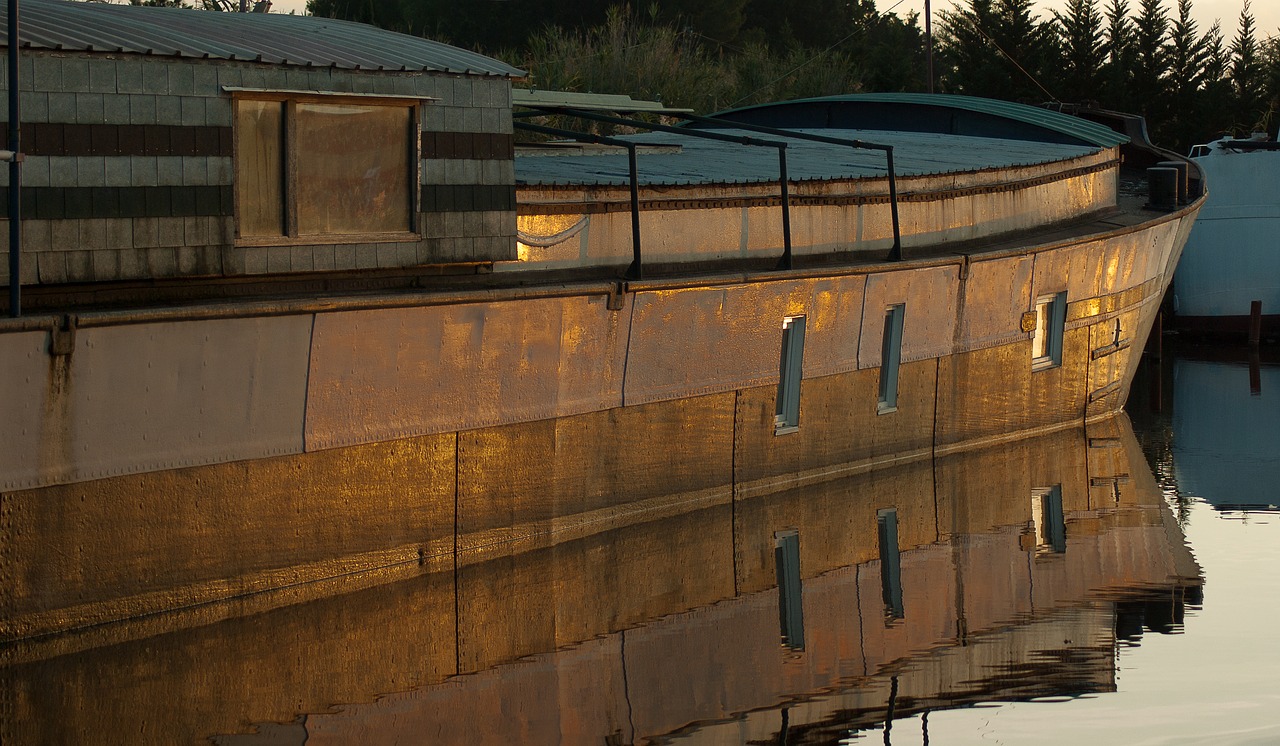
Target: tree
{"x":997,"y":49}
{"x":784,"y":24}
{"x":1151,"y":62}
{"x":717,"y":21}
{"x":1030,"y":47}
{"x":1216,"y":101}
{"x":967,"y":62}
{"x":1186,"y":55}
{"x":1084,"y":50}
{"x":1117,"y":71}
{"x":1246,"y":73}
{"x":889,"y":50}
{"x":1271,"y":78}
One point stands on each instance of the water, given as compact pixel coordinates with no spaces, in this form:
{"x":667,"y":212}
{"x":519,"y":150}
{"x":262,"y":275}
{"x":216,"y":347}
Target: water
{"x":1114,"y":585}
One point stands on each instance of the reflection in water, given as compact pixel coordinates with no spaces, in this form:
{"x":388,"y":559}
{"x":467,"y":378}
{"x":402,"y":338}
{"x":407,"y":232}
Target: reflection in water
{"x":799,"y":616}
{"x":1225,"y":417}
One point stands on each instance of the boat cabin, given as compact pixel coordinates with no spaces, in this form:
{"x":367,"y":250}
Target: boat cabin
{"x":168,"y":143}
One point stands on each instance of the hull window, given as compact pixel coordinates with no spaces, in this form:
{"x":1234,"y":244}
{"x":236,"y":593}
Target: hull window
{"x":790,"y":372}
{"x":1046,"y":340}
{"x":891,"y":358}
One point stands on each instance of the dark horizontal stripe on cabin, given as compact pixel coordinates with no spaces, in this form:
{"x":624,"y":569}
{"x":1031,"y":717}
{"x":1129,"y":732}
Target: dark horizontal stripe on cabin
{"x":468,"y":145}
{"x":54,"y":139}
{"x":79,"y":203}
{"x":468,"y":198}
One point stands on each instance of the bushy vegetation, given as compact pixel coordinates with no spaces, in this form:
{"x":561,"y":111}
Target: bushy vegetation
{"x":1142,"y":56}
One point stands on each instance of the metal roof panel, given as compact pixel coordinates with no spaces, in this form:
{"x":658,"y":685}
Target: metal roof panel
{"x":1081,"y":129}
{"x":256,"y":37}
{"x":703,"y":161}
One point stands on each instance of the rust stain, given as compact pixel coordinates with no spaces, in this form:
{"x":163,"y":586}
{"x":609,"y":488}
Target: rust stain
{"x":56,"y":447}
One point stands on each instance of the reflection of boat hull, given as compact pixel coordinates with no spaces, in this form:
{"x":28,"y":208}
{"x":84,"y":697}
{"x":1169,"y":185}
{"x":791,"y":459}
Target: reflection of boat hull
{"x":1231,"y":258}
{"x":658,"y":623}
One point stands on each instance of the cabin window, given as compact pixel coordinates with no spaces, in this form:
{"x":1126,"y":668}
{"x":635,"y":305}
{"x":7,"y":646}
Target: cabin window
{"x":324,"y":168}
{"x":1051,"y":321}
{"x":790,"y":372}
{"x":891,"y":358}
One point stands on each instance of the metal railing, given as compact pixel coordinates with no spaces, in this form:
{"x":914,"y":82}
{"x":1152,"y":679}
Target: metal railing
{"x":786,"y":261}
{"x":636,"y":270}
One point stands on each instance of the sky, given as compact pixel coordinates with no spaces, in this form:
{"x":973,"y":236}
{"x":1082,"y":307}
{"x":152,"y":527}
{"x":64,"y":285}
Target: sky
{"x":1266,"y":13}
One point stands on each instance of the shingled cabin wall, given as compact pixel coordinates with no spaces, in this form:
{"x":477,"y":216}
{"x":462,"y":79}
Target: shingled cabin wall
{"x":129,"y":169}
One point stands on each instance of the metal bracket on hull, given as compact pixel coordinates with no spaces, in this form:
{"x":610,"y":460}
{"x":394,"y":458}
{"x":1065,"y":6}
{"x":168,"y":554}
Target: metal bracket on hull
{"x":62,"y":338}
{"x":616,"y":291}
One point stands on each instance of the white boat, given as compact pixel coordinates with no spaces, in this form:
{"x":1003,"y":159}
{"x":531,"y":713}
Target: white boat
{"x":1231,"y":258}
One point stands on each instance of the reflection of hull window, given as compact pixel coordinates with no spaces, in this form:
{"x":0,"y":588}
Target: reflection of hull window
{"x":786,"y":555}
{"x":890,"y":563}
{"x":890,"y":358}
{"x":323,"y":168}
{"x":790,"y":371}
{"x":1051,"y":321}
{"x":1048,"y":521}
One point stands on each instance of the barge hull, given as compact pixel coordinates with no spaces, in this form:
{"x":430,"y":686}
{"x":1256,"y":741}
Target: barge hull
{"x":143,"y":495}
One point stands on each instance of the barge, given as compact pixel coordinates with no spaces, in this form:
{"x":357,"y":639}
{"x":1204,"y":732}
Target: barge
{"x":264,"y":360}
{"x":1227,"y":286}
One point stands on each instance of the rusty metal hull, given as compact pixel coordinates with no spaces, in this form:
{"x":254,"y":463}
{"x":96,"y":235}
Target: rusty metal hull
{"x":643,"y":397}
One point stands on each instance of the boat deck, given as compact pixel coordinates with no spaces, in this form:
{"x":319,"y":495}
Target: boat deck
{"x":308,"y":292}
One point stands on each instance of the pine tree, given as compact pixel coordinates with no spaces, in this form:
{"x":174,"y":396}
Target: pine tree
{"x":1271,"y":80}
{"x":1216,"y":101}
{"x":1246,"y":73}
{"x":1117,"y":71}
{"x":1084,"y":50}
{"x":1186,"y":55}
{"x":1151,"y":62}
{"x":997,"y":49}
{"x":966,"y":61}
{"x":1030,"y":48}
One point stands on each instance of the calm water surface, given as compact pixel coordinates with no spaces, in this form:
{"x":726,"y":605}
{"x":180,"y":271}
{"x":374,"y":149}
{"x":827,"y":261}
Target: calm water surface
{"x":1115,"y":585}
{"x":1215,"y":449}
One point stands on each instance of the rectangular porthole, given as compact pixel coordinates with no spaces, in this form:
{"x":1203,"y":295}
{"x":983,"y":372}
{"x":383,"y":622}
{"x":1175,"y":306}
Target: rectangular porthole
{"x":790,"y":372}
{"x":786,"y":554}
{"x":1047,"y":520}
{"x":891,"y":358}
{"x":1051,"y":321}
{"x":890,"y":563}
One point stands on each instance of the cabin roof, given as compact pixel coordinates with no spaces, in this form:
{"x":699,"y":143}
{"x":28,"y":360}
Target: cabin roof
{"x":701,"y":161}
{"x":931,"y":112}
{"x":273,"y":38}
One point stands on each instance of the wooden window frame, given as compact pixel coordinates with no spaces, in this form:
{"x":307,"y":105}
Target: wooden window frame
{"x":289,"y":189}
